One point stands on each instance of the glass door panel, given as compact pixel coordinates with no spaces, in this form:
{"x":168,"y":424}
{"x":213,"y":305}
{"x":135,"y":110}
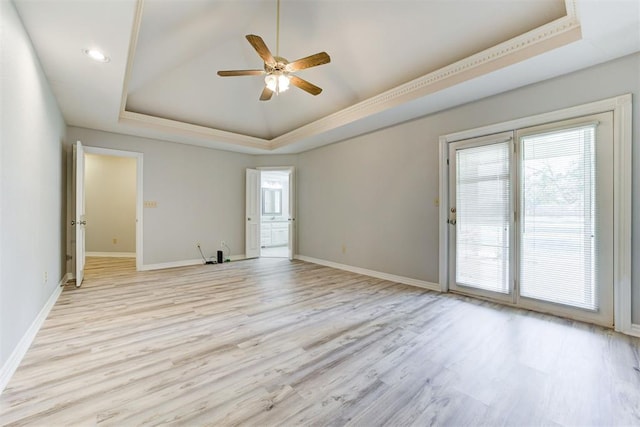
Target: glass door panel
{"x":481,"y":215}
{"x":558,"y":217}
{"x":565,"y":218}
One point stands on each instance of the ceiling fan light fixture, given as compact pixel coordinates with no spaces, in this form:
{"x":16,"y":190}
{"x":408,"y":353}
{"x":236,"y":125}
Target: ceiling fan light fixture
{"x":277,"y":83}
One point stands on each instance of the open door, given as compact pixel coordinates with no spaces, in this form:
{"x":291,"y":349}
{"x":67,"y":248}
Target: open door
{"x":79,"y":220}
{"x":292,"y":213}
{"x":253,"y":214}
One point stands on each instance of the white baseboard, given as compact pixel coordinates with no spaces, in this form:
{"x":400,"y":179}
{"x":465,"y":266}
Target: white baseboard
{"x":183,"y":263}
{"x":634,"y":330}
{"x":377,"y":274}
{"x":172,"y":264}
{"x":10,"y":366}
{"x":112,"y":254}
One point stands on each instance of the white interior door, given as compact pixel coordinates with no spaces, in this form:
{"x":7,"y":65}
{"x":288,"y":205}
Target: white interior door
{"x":292,"y":213}
{"x":79,"y":217}
{"x":253,"y":214}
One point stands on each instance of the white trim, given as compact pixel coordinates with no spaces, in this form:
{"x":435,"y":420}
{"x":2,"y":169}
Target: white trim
{"x":184,"y":263}
{"x":547,"y":37}
{"x":622,"y":116}
{"x":622,"y":211}
{"x":190,"y":130}
{"x":634,"y":330}
{"x":172,"y":264}
{"x":372,"y":273}
{"x":139,"y":192}
{"x":112,"y":254}
{"x":10,"y":366}
{"x":443,"y":200}
{"x":609,"y":104}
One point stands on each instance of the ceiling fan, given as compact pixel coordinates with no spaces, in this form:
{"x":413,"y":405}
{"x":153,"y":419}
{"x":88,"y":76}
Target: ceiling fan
{"x":277,"y":70}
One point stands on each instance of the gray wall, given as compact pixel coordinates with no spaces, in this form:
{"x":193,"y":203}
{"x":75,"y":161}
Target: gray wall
{"x":199,"y":194}
{"x":110,"y":203}
{"x":32,"y":192}
{"x":368,"y":202}
{"x":375,"y":194}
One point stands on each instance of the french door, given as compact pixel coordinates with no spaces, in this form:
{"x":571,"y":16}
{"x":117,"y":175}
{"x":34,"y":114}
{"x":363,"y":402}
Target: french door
{"x":531,"y":217}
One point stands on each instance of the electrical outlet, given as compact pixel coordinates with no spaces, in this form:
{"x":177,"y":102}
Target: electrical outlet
{"x":197,"y":244}
{"x":223,"y":243}
{"x":45,"y":276}
{"x":344,"y":248}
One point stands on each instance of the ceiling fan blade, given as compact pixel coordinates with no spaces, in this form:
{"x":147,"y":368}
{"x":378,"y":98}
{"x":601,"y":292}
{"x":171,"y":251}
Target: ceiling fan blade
{"x":232,"y":73}
{"x":262,"y":49}
{"x":266,"y":94}
{"x":309,"y":61}
{"x":305,"y":85}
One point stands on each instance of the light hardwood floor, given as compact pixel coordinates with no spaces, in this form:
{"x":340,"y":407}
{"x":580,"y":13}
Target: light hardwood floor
{"x":274,"y":342}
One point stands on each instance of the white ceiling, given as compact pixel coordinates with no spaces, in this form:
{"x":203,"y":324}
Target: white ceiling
{"x":391,"y":61}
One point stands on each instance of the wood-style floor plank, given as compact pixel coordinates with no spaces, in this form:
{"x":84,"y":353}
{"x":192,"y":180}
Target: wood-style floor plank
{"x":274,"y":342}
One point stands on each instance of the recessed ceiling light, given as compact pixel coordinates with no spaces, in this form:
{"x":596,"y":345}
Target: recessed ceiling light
{"x":96,"y":55}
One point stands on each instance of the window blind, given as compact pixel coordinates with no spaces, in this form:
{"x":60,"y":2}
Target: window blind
{"x":482,"y":223}
{"x":558,"y":233}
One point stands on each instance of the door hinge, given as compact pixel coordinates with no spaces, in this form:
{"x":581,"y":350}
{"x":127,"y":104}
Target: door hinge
{"x":447,"y":162}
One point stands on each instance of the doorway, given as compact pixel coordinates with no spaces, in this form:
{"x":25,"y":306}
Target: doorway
{"x":270,"y":230}
{"x":113,"y":203}
{"x":110,"y":206}
{"x":274,"y":215}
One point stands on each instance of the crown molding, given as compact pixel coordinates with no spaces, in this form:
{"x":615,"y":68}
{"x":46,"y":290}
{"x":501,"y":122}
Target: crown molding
{"x":545,"y":38}
{"x":179,"y":128}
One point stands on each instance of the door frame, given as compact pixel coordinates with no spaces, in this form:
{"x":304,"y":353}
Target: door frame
{"x":621,"y":106}
{"x":139,"y":196}
{"x":292,"y":204}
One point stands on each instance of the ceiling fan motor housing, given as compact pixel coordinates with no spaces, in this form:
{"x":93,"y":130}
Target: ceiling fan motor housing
{"x":280,"y":66}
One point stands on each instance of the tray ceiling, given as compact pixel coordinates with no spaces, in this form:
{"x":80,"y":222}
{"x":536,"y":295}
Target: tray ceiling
{"x":391,"y":61}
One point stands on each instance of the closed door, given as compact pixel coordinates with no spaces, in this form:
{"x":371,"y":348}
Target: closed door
{"x":481,"y":216}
